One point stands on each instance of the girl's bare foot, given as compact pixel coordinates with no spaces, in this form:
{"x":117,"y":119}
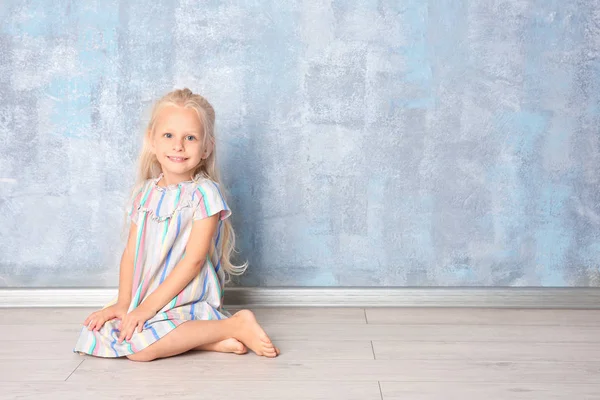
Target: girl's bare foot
{"x":251,"y":334}
{"x":230,"y":345}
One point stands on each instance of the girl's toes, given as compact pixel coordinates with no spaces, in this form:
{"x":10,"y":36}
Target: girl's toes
{"x":265,"y":339}
{"x":270,"y":352}
{"x":242,"y":349}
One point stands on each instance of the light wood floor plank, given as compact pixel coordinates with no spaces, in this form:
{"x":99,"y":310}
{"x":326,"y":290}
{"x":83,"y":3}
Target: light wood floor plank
{"x":37,"y":370}
{"x":38,"y":350}
{"x":327,"y":354}
{"x":325,"y":349}
{"x":438,"y":333}
{"x":308,"y":315}
{"x":485,"y":351}
{"x":193,"y":390}
{"x":487,"y":391}
{"x":482,"y":316}
{"x":419,"y":333}
{"x":251,"y":367}
{"x":44,"y":315}
{"x":39,"y":332}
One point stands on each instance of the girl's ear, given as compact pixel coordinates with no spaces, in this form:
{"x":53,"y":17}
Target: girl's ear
{"x":151,"y":141}
{"x":208,"y":151}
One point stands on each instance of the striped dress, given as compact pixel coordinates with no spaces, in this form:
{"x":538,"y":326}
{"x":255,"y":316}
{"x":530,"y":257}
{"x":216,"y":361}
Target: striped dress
{"x":164,"y":216}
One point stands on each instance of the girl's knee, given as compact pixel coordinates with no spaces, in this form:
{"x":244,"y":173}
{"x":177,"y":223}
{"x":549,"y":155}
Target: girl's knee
{"x":142,"y":356}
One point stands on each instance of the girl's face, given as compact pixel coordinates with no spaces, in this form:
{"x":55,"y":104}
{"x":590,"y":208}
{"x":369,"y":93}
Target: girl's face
{"x":176,"y":142}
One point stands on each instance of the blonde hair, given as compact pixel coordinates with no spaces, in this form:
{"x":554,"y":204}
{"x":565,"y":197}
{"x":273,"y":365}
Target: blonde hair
{"x":149,"y":167}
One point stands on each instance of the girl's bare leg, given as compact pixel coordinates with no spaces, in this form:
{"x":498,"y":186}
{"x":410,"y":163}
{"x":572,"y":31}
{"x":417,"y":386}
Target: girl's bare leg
{"x":242,"y":326}
{"x":230,"y":345}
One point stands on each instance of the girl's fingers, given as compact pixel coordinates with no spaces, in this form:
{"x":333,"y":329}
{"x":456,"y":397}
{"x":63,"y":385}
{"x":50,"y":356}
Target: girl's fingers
{"x":134,"y":326}
{"x":128,"y":328}
{"x":124,"y":331}
{"x":89,"y":319}
{"x":130,"y":332}
{"x":92,"y":317}
{"x":121,"y":330}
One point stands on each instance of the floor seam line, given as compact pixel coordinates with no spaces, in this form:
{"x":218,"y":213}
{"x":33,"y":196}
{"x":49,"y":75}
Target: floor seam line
{"x":373,"y":349}
{"x":79,"y":365}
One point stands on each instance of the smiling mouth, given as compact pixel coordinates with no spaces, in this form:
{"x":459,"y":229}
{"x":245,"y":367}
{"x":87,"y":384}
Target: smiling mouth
{"x":177,"y":159}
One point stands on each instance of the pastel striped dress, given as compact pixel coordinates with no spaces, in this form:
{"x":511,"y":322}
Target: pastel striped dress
{"x":164,"y":217}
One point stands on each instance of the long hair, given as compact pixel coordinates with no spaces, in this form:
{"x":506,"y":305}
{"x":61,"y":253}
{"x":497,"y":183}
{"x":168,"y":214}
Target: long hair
{"x":149,"y":167}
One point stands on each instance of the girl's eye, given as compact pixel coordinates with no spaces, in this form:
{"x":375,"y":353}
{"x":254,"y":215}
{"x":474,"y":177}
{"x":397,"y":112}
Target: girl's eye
{"x":169,"y":135}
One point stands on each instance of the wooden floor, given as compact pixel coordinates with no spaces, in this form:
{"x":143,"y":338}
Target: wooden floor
{"x":327,"y":353}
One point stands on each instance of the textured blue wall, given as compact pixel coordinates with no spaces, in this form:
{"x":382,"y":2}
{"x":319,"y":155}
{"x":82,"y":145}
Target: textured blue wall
{"x":363,"y":143}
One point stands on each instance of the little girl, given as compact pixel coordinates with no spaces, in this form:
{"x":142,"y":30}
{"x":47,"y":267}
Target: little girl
{"x":176,"y":260}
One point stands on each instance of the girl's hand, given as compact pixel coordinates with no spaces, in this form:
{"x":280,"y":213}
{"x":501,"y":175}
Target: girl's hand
{"x":135,"y":319}
{"x":97,"y":319}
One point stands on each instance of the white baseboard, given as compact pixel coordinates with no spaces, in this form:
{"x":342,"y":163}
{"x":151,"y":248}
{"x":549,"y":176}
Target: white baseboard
{"x":493,"y":297}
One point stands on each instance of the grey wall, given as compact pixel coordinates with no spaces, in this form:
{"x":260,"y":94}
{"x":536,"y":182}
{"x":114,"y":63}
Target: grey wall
{"x":364,"y":143}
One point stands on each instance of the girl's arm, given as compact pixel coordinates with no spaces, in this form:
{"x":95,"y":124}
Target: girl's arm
{"x":196,"y":251}
{"x":126,"y":270}
{"x":97,"y":319}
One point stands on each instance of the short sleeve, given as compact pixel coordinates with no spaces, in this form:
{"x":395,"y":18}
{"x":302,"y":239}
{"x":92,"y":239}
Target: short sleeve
{"x":210,"y":201}
{"x":134,"y":204}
